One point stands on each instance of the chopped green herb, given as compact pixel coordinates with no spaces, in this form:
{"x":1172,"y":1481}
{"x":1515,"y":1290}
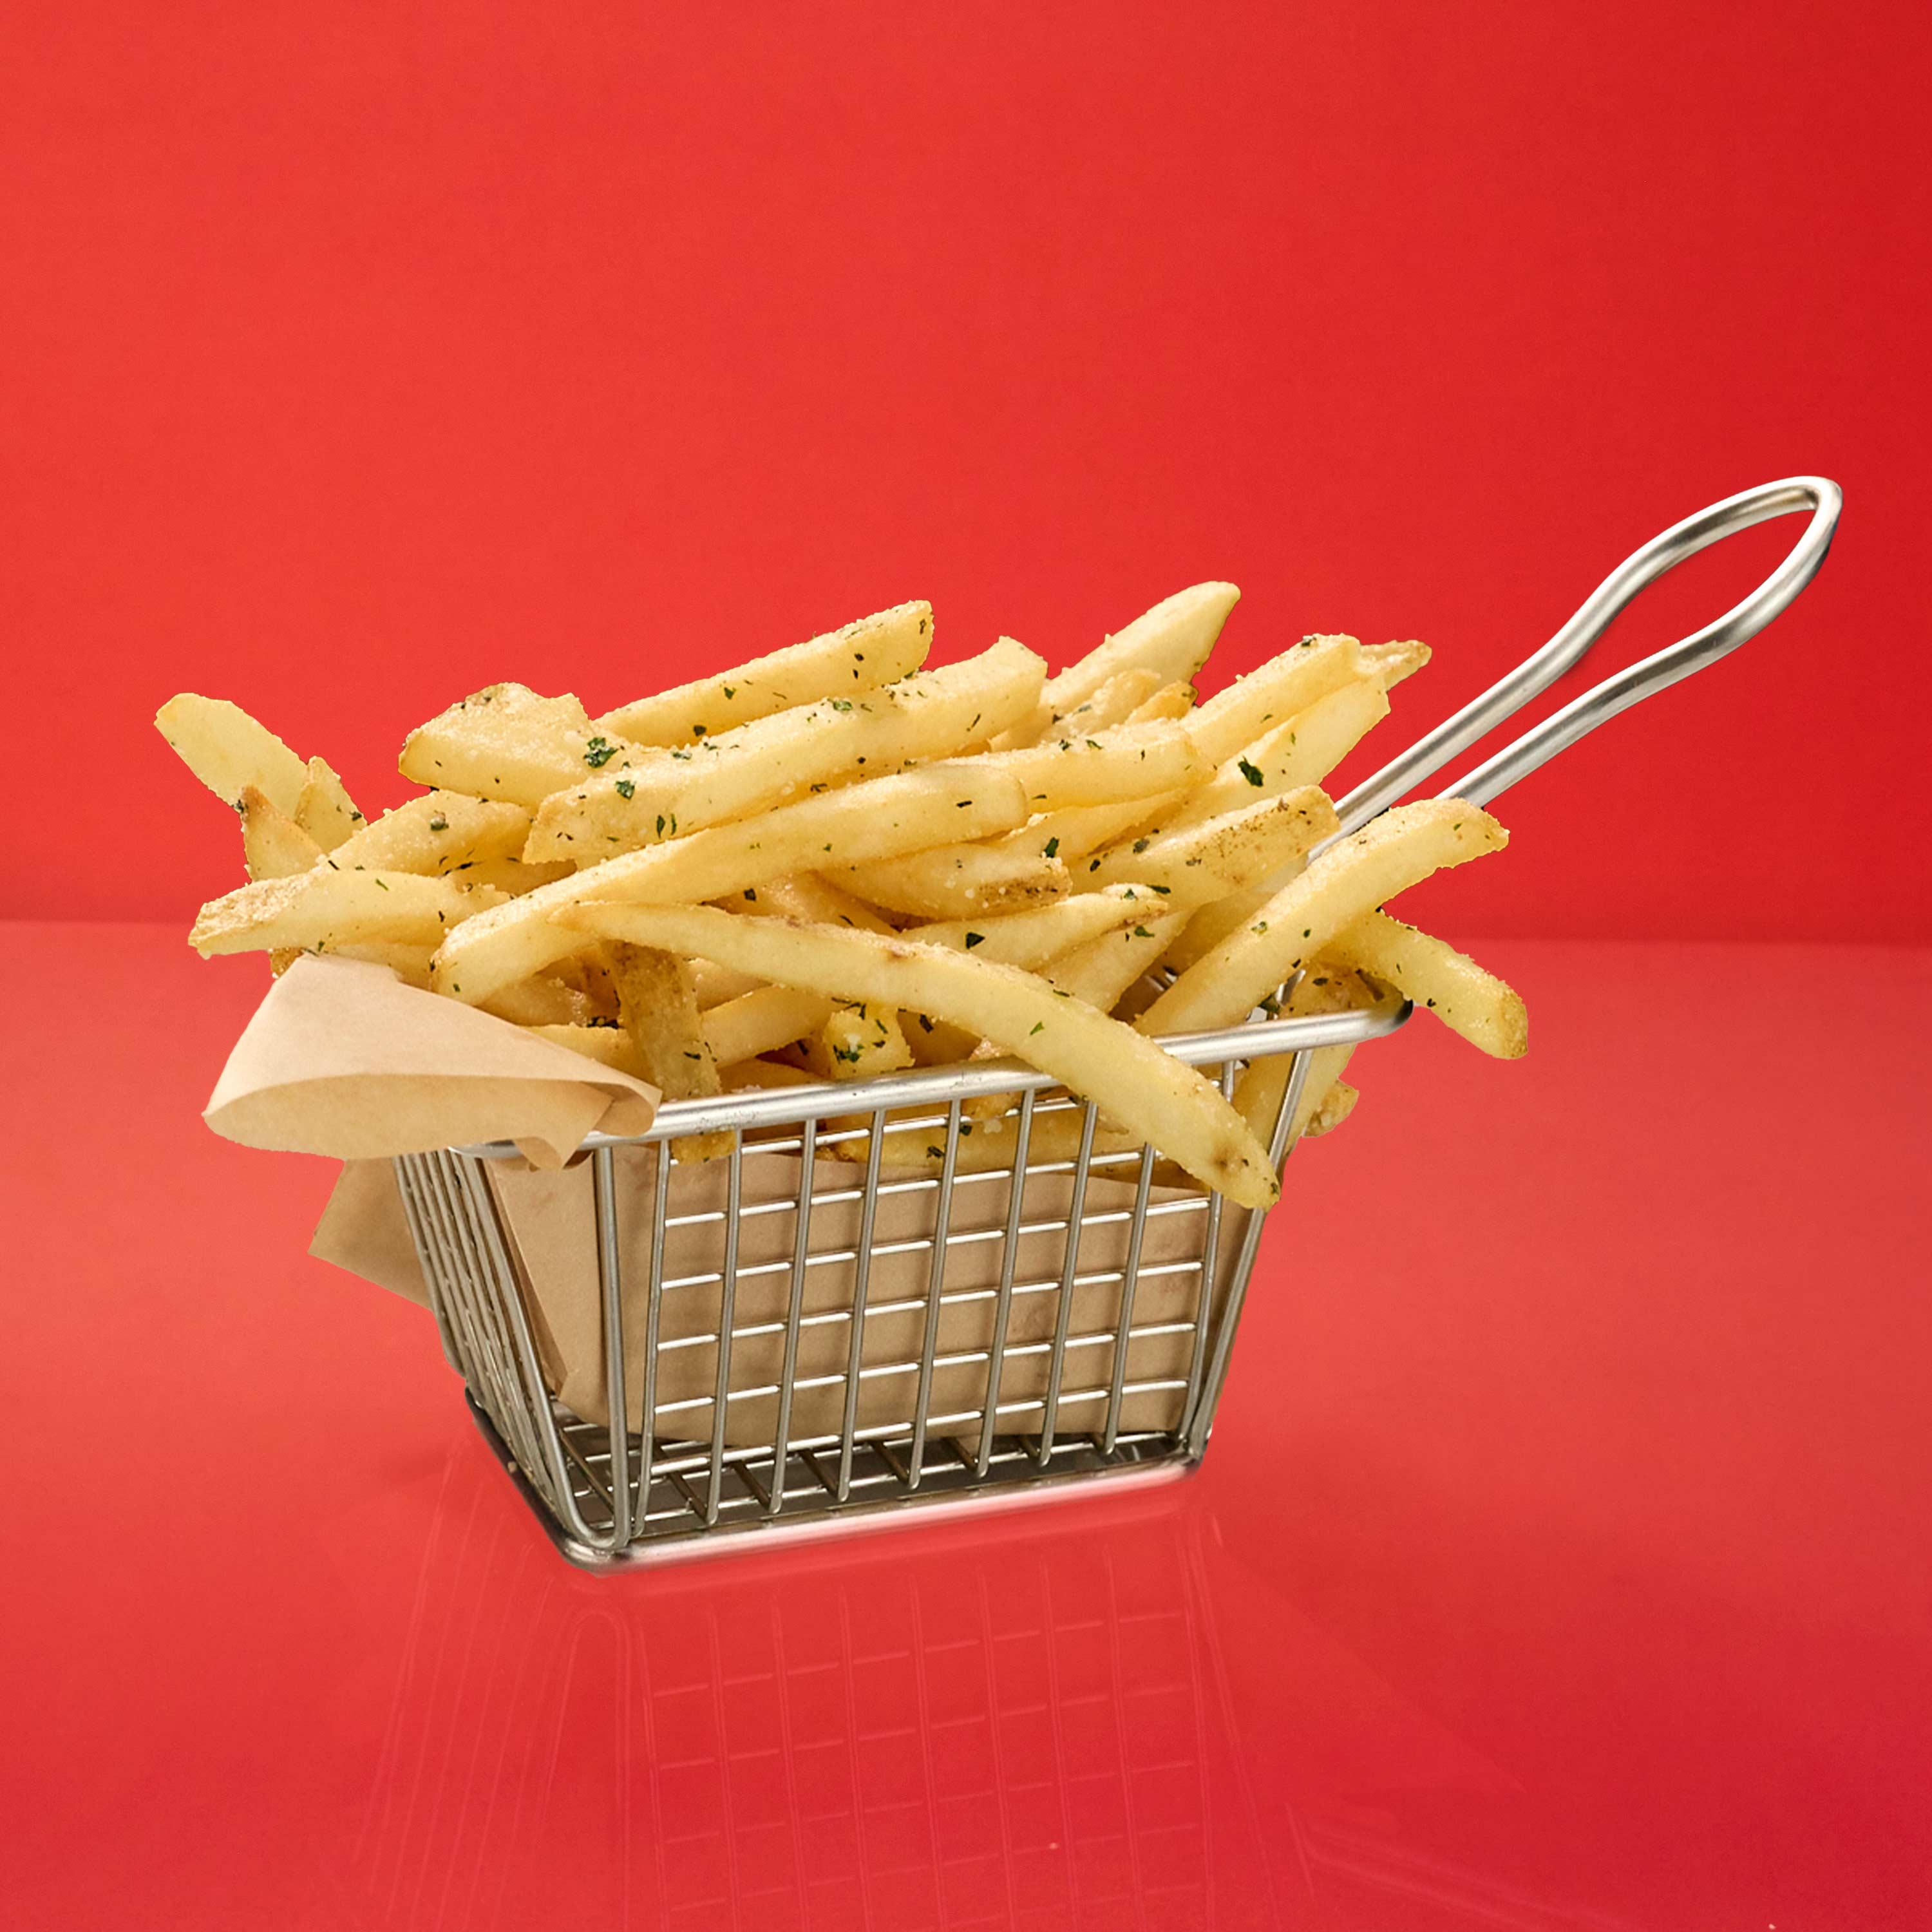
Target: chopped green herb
{"x":729,"y":692}
{"x":1252,"y":773}
{"x":1141,"y":932}
{"x":841,"y":704}
{"x":660,"y":825}
{"x":598,"y":752}
{"x":1051,"y":848}
{"x":1141,"y":844}
{"x":627,"y":789}
{"x":1038,"y":1026}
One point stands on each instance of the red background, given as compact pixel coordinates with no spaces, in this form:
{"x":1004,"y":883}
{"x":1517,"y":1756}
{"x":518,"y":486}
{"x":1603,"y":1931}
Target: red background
{"x":354,"y":356}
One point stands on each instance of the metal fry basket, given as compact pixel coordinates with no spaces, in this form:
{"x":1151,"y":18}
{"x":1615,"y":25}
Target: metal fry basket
{"x":796,"y":1337}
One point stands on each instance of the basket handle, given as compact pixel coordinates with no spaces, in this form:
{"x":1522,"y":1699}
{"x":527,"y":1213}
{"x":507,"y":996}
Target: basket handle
{"x":1602,"y":702}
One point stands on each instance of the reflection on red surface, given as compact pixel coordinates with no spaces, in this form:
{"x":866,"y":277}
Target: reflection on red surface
{"x":1560,"y":1560}
{"x":1028,"y":1721}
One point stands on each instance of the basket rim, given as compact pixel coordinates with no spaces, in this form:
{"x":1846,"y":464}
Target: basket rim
{"x":940,"y":1086}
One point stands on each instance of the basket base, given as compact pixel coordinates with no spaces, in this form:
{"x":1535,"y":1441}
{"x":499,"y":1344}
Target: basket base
{"x":673,"y":1528}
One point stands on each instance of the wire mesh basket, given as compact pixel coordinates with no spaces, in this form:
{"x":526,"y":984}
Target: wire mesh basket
{"x":817,"y":1337}
{"x":796,"y":1337}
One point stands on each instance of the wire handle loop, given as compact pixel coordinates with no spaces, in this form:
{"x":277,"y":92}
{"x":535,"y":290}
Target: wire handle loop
{"x":1602,"y":702}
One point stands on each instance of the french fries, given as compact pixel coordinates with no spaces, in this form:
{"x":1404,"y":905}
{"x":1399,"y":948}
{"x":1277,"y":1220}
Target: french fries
{"x":877,"y":820}
{"x":1400,"y":849}
{"x":1172,"y":640}
{"x":323,"y":906}
{"x":324,"y":809}
{"x":273,"y":845}
{"x":833,"y":862}
{"x":1467,"y":1001}
{"x":859,"y":658}
{"x":1158,"y":1098}
{"x":1303,"y":751}
{"x":1235,"y":717}
{"x":438,"y":833}
{"x":957,"y":881}
{"x":1203,"y":859}
{"x":1033,"y":938}
{"x":504,"y":742}
{"x":649,"y":796}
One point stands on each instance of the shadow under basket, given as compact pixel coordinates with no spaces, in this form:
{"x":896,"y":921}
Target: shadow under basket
{"x":821,"y":1335}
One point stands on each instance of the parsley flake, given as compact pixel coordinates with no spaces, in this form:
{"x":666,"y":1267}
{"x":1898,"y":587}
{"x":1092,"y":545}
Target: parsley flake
{"x":598,"y":752}
{"x":1252,"y":773}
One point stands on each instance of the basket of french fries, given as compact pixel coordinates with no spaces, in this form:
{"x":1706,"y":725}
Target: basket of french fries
{"x":845,"y":1081}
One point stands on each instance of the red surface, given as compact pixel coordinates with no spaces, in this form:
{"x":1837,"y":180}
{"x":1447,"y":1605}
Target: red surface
{"x":1559,"y":1560}
{"x":357,"y":355}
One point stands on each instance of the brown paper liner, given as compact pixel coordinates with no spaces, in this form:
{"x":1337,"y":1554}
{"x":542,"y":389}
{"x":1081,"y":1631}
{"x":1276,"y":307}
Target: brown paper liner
{"x":342,"y":1058}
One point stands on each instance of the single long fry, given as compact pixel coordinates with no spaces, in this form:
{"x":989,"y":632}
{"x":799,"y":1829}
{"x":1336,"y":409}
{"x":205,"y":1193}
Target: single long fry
{"x":1392,"y":663}
{"x":437,"y":833}
{"x":1337,"y":1104}
{"x":1146,"y":1091}
{"x":324,"y":905}
{"x":1485,"y":1012}
{"x":1172,"y":640}
{"x":1114,"y":704}
{"x":1030,"y":938}
{"x":844,"y":663}
{"x":1233,"y":718}
{"x":648,"y":795}
{"x":506,"y":742}
{"x":227,"y":749}
{"x":1207,"y":857}
{"x":857,"y":1042}
{"x":762,"y":1021}
{"x":1398,"y":850}
{"x":1301,"y":752}
{"x":806,"y":896}
{"x":1263,"y":1084}
{"x":716,"y":984}
{"x":1075,"y":830}
{"x":1099,"y":767}
{"x":1171,"y":703}
{"x":657,"y":1005}
{"x":273,"y":845}
{"x":876,"y":819}
{"x":324,"y":810}
{"x":959,"y":881}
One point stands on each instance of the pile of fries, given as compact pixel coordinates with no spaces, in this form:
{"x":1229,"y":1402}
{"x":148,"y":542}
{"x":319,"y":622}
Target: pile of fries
{"x":833,"y":862}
